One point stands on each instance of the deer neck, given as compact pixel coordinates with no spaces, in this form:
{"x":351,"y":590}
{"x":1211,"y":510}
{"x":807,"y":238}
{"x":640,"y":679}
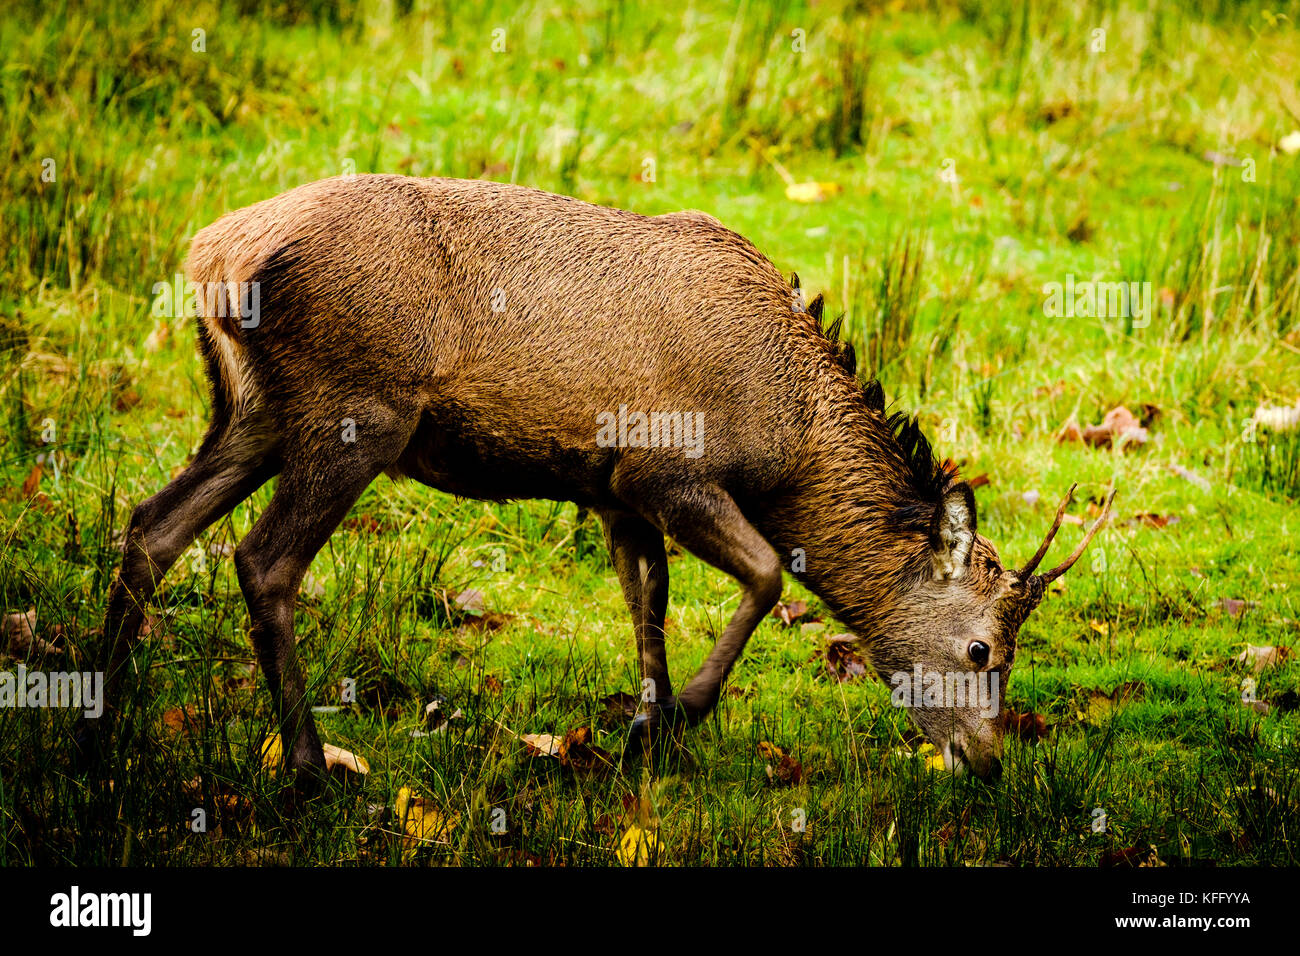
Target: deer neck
{"x":852,"y":528}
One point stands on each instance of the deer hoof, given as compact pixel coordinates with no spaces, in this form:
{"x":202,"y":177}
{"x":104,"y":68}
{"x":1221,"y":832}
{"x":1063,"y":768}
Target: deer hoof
{"x":647,"y":727}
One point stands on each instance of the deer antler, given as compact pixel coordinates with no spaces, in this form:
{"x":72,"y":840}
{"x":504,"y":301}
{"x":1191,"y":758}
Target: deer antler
{"x":1032,"y":566}
{"x":1068,"y":563}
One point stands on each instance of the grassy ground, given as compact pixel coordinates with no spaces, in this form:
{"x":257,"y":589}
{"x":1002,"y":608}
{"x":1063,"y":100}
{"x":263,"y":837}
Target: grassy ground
{"x":981,"y":150}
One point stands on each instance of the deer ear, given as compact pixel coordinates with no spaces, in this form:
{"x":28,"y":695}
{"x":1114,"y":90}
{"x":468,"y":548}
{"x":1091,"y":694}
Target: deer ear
{"x":952,"y":532}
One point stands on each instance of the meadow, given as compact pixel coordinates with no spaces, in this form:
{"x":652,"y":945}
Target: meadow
{"x":936,"y":169}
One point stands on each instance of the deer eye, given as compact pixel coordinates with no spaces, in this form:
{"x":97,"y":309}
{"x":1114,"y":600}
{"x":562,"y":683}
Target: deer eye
{"x":978,"y":652}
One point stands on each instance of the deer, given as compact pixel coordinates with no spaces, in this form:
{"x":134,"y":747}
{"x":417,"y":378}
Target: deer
{"x":477,"y":337}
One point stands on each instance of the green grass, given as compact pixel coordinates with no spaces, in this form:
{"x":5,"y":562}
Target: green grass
{"x":1065,"y":161}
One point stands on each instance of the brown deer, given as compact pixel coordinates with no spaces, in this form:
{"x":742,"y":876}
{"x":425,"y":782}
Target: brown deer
{"x":488,"y":340}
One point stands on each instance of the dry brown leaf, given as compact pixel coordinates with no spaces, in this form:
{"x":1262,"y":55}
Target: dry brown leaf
{"x":32,"y":482}
{"x":1027,"y":726}
{"x":577,"y":752}
{"x":787,"y":614}
{"x":181,"y":721}
{"x":1150,"y":519}
{"x":782,"y":769}
{"x":1120,"y":428}
{"x":842,"y":661}
{"x":1260,"y":657}
{"x":1234,"y":607}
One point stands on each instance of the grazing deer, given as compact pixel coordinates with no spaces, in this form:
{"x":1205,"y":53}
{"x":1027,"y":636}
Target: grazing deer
{"x":488,"y":340}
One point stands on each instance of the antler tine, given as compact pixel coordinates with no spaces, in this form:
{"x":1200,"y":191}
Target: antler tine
{"x":1032,"y":566}
{"x":1068,"y":563}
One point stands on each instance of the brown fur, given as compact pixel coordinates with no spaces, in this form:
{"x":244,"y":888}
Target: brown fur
{"x":377,"y":306}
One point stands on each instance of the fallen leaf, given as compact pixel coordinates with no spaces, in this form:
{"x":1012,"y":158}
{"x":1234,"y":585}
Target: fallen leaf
{"x":229,"y":807}
{"x":842,"y":661}
{"x":436,"y":718}
{"x":421,"y":820}
{"x":1055,"y":112}
{"x":470,"y":599}
{"x":542,"y":745}
{"x":1120,"y":428}
{"x":364,"y":523}
{"x":1234,"y":607}
{"x":782,"y":769}
{"x":1101,"y":706}
{"x":638,"y":846}
{"x":1260,"y":658}
{"x":1027,"y":726}
{"x":789,"y":613}
{"x":620,"y":707}
{"x":341,"y":762}
{"x":578,"y":753}
{"x":311,"y":588}
{"x":32,"y":482}
{"x":932,"y":758}
{"x":1152,"y":520}
{"x":272,"y":754}
{"x":1101,"y":627}
{"x":1131,"y":857}
{"x":181,"y":721}
{"x":126,"y":399}
{"x":1220,"y":159}
{"x":812,"y":192}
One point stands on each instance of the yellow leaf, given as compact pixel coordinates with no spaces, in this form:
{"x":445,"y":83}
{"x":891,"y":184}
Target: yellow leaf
{"x":637,"y":846}
{"x":811,"y":192}
{"x":422,"y":821}
{"x":272,"y":753}
{"x":1101,"y":627}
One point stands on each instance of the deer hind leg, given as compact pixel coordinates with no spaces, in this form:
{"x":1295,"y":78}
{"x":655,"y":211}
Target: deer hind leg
{"x":708,"y":523}
{"x":234,"y":461}
{"x":637,"y":550}
{"x":321,"y":480}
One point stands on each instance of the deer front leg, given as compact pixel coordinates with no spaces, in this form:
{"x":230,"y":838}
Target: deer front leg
{"x":637,"y":549}
{"x":709,"y":524}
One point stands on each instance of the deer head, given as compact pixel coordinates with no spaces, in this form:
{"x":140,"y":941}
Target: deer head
{"x":949,"y":644}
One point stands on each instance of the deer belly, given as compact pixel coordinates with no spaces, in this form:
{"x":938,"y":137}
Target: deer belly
{"x":498,"y":461}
